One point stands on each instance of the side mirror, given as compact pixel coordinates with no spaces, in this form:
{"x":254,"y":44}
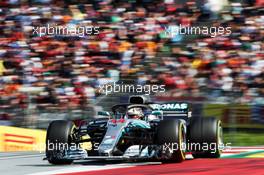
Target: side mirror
{"x":155,"y":116}
{"x":157,"y":113}
{"x":104,"y":113}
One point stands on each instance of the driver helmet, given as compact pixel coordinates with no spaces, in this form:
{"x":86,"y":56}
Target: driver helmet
{"x":135,"y":113}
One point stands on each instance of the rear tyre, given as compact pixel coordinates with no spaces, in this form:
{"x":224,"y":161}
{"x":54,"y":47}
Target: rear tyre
{"x":171,"y":136}
{"x":58,"y":136}
{"x":205,"y":137}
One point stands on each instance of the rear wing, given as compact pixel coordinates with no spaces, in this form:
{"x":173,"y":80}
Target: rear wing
{"x":173,"y":109}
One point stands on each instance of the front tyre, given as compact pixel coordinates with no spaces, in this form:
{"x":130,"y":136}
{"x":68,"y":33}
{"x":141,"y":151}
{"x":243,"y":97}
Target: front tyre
{"x":171,"y":136}
{"x":58,"y":139}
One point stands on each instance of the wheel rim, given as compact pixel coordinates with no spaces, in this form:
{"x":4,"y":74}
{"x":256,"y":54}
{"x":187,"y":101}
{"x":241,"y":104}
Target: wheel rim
{"x":182,"y":140}
{"x":219,"y":136}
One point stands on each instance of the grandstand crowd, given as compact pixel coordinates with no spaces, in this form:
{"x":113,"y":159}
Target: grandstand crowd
{"x":65,"y":71}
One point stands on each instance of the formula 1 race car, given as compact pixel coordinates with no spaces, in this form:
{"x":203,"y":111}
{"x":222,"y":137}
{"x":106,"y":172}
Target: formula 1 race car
{"x":138,"y":130}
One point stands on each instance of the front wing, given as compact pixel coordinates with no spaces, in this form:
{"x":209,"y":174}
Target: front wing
{"x":134,"y":152}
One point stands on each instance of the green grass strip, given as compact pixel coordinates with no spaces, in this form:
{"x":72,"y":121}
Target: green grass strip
{"x":242,"y":155}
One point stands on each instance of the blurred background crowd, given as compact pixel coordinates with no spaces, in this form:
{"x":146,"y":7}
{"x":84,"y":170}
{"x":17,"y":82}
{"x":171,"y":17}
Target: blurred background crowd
{"x":64,"y":72}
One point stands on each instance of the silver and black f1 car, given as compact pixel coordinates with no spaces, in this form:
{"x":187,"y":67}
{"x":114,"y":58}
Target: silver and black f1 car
{"x":136,"y":130}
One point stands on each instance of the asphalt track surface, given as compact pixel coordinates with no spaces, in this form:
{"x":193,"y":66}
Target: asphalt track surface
{"x":235,"y":162}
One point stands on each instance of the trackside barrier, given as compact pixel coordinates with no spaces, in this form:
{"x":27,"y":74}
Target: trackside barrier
{"x":21,"y":139}
{"x":237,"y":115}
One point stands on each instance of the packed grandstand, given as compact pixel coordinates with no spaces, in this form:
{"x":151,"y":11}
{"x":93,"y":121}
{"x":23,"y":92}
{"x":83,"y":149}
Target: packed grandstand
{"x":66,"y":71}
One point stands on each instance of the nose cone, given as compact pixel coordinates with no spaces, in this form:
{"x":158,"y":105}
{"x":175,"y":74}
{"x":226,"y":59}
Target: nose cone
{"x":113,"y":134}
